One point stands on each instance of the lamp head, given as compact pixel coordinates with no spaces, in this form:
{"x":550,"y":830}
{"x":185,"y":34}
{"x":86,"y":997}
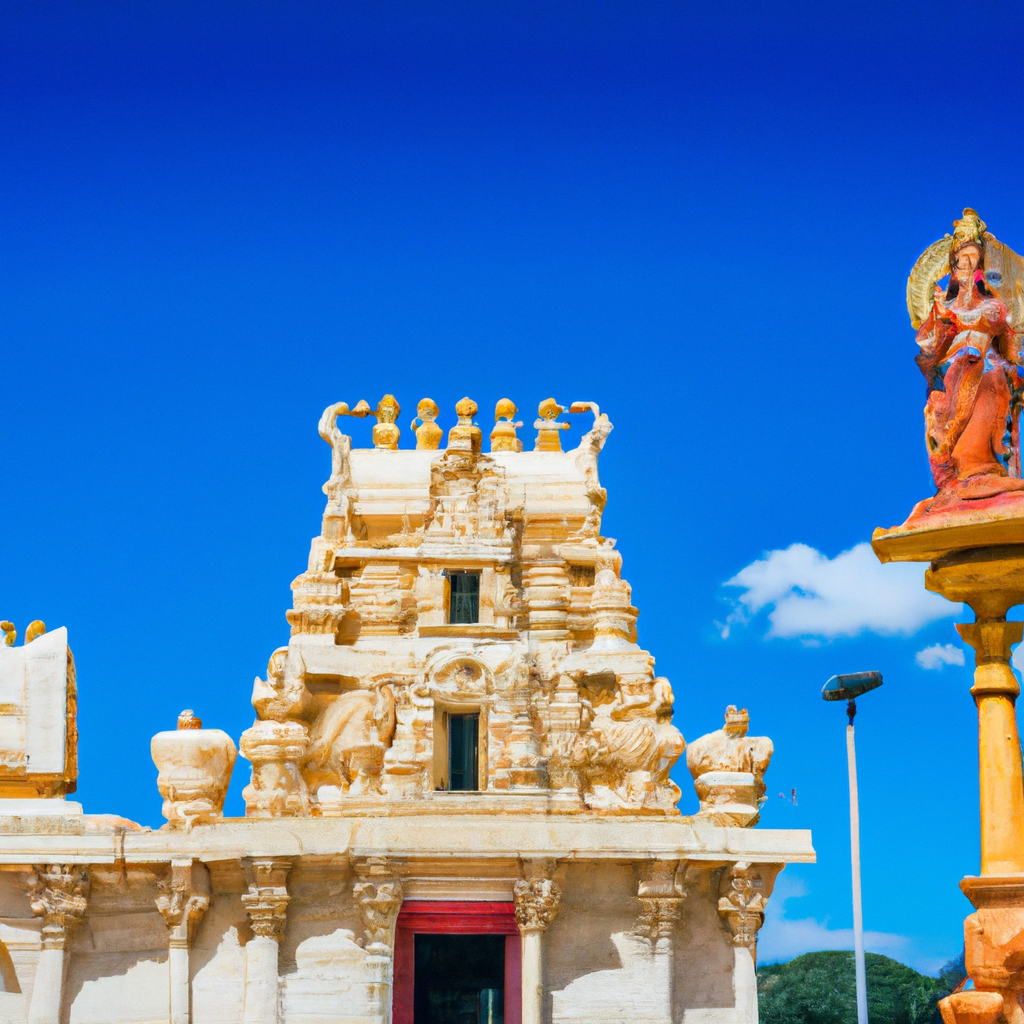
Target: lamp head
{"x":851,"y":685}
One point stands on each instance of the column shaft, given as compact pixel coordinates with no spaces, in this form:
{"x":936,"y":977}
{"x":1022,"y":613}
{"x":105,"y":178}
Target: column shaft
{"x":177,"y":966}
{"x":261,"y":981}
{"x":48,"y":989}
{"x":533,"y":977}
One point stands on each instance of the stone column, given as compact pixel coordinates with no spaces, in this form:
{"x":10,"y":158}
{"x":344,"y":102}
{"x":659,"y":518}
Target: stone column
{"x":378,"y":893}
{"x":59,"y":894}
{"x":537,"y":900}
{"x":266,"y":903}
{"x":183,"y":900}
{"x":743,"y":894}
{"x":661,"y":897}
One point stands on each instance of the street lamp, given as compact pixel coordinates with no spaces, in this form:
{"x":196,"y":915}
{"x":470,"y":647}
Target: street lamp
{"x":849,"y":687}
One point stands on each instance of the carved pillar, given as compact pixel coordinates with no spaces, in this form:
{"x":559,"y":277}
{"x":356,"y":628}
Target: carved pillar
{"x":183,"y":900}
{"x":661,"y":895}
{"x":59,"y":894}
{"x":266,"y":903}
{"x":743,"y":894}
{"x":547,"y":598}
{"x":537,"y":900}
{"x":378,"y":893}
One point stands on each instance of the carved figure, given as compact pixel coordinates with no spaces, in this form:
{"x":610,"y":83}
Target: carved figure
{"x":10,"y":633}
{"x":277,"y":789}
{"x":428,"y":433}
{"x":387,"y":432}
{"x":728,"y":771}
{"x":503,"y":436}
{"x":971,"y":357}
{"x":194,"y":770}
{"x":548,"y":427}
{"x":35,"y":628}
{"x":349,"y":739}
{"x":465,"y":435}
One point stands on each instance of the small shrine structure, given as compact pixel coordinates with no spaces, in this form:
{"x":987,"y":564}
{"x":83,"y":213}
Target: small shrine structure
{"x":461,"y":804}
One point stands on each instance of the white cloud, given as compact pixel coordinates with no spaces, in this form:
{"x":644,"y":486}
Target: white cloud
{"x":812,"y":596}
{"x":938,"y":656}
{"x":782,"y":939}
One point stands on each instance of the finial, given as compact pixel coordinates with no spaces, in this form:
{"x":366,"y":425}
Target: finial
{"x":10,"y":633}
{"x":465,"y":435}
{"x":548,"y":427}
{"x":386,"y":432}
{"x":188,"y":720}
{"x":36,"y":628}
{"x":736,"y":721}
{"x":428,"y":433}
{"x":503,"y":436}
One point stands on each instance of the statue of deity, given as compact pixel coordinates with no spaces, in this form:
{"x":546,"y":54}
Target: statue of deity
{"x":971,"y":357}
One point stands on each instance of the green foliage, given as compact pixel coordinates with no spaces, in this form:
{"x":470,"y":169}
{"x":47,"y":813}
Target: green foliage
{"x":819,"y":988}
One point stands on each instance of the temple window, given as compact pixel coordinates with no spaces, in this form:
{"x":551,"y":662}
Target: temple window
{"x":464,"y":597}
{"x":463,"y":752}
{"x":581,"y":575}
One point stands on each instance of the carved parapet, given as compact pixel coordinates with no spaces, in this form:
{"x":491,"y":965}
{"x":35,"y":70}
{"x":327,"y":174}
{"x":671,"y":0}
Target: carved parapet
{"x":183,"y":899}
{"x":743,"y":895}
{"x":59,"y":895}
{"x":277,"y":790}
{"x":378,"y":893}
{"x":728,"y":772}
{"x":536,"y":901}
{"x":194,"y":771}
{"x":266,"y":902}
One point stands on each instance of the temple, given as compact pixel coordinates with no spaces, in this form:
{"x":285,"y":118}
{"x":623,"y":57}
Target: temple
{"x":461,"y":805}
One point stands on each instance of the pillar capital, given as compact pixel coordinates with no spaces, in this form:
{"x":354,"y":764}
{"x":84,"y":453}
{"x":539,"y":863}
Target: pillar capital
{"x":378,"y":893}
{"x":743,"y":895}
{"x":266,"y":902}
{"x":992,"y":640}
{"x":183,"y":898}
{"x":59,"y":894}
{"x":537,"y":901}
{"x":661,"y":892}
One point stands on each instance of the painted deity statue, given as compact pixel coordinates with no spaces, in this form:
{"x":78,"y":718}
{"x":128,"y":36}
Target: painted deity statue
{"x":971,"y":356}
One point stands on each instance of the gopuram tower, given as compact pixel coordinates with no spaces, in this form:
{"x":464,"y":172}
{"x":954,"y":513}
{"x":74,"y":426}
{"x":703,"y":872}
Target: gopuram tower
{"x":970,"y":333}
{"x":461,"y":805}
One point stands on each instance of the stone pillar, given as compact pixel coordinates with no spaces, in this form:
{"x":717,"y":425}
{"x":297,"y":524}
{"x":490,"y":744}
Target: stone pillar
{"x":59,"y":894}
{"x":661,"y":897}
{"x":378,"y":893}
{"x":537,"y":900}
{"x":266,"y":903}
{"x":547,"y":598}
{"x":743,"y":894}
{"x":183,"y":900}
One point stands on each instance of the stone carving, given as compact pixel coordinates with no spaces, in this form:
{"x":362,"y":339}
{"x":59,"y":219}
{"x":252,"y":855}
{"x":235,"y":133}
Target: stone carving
{"x":428,"y":433}
{"x":194,"y":771}
{"x":661,"y":898}
{"x":10,"y":633}
{"x":266,"y":901}
{"x":536,"y":901}
{"x":728,"y":771}
{"x":383,"y":600}
{"x":379,"y":896}
{"x":387,"y":432}
{"x":277,"y":789}
{"x":628,"y":746}
{"x":549,"y":427}
{"x":744,"y":893}
{"x":59,"y":894}
{"x":503,"y":436}
{"x":347,"y":744}
{"x":465,"y":435}
{"x":181,"y":903}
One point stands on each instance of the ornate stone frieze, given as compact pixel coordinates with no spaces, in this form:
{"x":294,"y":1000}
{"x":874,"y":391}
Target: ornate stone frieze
{"x":266,"y":902}
{"x":536,"y":901}
{"x":59,"y":894}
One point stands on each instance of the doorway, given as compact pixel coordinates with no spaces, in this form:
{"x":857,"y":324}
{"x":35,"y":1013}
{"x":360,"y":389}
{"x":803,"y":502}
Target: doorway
{"x":459,"y":979}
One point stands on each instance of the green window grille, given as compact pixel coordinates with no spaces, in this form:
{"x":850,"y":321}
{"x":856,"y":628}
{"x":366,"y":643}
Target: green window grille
{"x":463,"y":752}
{"x":464,"y":606}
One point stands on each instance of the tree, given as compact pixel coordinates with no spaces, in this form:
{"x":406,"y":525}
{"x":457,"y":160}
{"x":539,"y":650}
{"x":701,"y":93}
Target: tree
{"x":819,"y":988}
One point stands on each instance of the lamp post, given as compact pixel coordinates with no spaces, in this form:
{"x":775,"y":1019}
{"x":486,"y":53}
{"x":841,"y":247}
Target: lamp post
{"x":849,"y":687}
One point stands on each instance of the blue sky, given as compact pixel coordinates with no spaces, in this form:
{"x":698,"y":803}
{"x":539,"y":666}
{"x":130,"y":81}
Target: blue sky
{"x":217,"y":218}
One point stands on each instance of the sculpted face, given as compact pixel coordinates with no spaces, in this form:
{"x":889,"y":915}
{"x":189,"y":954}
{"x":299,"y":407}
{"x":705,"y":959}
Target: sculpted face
{"x":968,"y":257}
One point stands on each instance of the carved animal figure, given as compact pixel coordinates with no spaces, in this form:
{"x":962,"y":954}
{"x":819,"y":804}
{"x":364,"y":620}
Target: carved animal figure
{"x":349,"y":739}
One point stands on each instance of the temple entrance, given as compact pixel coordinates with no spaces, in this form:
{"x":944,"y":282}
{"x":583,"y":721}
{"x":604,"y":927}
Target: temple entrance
{"x":459,"y":979}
